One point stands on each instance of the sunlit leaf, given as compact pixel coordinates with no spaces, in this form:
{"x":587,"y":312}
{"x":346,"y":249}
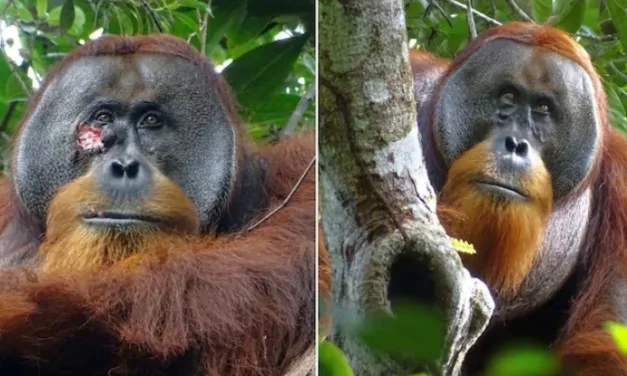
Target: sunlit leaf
{"x":541,"y":9}
{"x":67,"y":15}
{"x":523,"y":361}
{"x":42,"y":8}
{"x":463,"y":246}
{"x":618,"y":10}
{"x":79,"y":22}
{"x":331,"y":361}
{"x":572,"y":16}
{"x":619,"y":333}
{"x":188,"y":21}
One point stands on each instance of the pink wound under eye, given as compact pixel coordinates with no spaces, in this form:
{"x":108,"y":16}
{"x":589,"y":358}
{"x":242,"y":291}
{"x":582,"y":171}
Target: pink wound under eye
{"x":89,"y":137}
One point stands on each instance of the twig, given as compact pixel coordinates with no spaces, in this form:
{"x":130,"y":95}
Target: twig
{"x":153,"y":14}
{"x":597,"y":38}
{"x":7,"y":116}
{"x":11,"y":65}
{"x":300,"y":109}
{"x":475,"y":12}
{"x":472,"y":28}
{"x":298,"y":183}
{"x":203,"y":30}
{"x":492,"y":8}
{"x":521,"y":13}
{"x":6,"y":7}
{"x":442,"y":11}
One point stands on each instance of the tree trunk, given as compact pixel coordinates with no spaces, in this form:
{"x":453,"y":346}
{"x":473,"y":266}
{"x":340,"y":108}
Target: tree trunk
{"x":376,"y":200}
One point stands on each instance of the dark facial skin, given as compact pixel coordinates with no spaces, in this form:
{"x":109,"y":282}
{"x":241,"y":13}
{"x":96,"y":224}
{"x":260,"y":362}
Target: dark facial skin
{"x":525,"y":101}
{"x":152,"y":109}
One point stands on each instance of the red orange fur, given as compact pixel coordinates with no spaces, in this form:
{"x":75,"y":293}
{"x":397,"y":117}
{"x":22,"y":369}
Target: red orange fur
{"x":583,"y":342}
{"x":236,"y":304}
{"x":506,"y":235}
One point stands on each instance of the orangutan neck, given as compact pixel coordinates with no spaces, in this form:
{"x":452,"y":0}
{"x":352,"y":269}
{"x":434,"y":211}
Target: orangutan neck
{"x":248,"y":198}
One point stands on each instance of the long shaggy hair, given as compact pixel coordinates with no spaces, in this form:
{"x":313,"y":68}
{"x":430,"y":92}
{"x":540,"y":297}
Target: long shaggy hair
{"x":240,"y":304}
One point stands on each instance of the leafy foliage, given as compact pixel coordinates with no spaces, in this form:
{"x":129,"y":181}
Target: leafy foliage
{"x":417,"y":333}
{"x":600,"y":26}
{"x":265,"y":48}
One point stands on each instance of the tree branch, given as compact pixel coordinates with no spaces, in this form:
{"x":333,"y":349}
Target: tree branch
{"x":472,"y":29}
{"x":299,"y":111}
{"x":598,"y":38}
{"x":204,"y":23}
{"x":375,"y":199}
{"x":288,"y":198}
{"x":475,"y":12}
{"x":521,"y":13}
{"x":441,"y":10}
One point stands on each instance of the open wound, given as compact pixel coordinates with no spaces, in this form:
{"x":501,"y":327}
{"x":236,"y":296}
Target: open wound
{"x":89,"y":138}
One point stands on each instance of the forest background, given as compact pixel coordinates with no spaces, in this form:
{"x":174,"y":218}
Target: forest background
{"x":264,"y":48}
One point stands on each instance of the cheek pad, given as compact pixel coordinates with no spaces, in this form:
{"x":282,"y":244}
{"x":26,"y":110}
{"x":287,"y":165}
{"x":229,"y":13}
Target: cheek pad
{"x":458,"y":123}
{"x":200,"y":160}
{"x":44,"y":162}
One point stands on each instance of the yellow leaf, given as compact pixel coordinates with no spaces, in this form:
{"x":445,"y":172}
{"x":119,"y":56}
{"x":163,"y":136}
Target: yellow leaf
{"x":619,"y":333}
{"x":462,"y":246}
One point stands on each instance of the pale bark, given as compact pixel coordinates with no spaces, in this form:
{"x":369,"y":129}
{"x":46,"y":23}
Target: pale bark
{"x":376,"y":200}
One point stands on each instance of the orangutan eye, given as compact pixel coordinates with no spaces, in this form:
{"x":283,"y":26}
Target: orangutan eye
{"x":151,"y":120}
{"x":104,"y":117}
{"x":543,"y":108}
{"x":508,"y":98}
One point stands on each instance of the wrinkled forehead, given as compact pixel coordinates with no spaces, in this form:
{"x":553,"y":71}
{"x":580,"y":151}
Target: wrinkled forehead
{"x":503,"y":60}
{"x":128,"y":78}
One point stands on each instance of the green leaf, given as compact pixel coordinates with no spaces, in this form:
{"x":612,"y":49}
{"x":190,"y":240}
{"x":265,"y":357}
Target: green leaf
{"x":523,"y":361}
{"x":67,"y":15}
{"x":225,"y":15}
{"x":187,"y":21}
{"x":572,"y":16}
{"x":541,"y":10}
{"x":619,"y":333}
{"x":250,"y":28}
{"x":16,"y":9}
{"x":134,"y":13}
{"x":79,"y":22}
{"x":617,"y":111}
{"x":260,"y":72}
{"x":415,"y":333}
{"x":618,"y":10}
{"x":125,"y":23}
{"x":331,"y":361}
{"x":42,"y":8}
{"x":275,"y":110}
{"x":200,"y":5}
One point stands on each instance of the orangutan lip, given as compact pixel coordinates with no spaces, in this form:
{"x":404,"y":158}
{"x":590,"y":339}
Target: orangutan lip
{"x":116,"y":219}
{"x":500,"y":188}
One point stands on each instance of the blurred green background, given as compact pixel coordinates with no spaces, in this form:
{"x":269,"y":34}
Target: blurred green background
{"x":441,"y":26}
{"x":265,"y":49}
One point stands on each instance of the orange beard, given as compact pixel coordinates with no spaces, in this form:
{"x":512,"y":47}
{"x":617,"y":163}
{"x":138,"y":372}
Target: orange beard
{"x":71,"y":245}
{"x":506,"y":234}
